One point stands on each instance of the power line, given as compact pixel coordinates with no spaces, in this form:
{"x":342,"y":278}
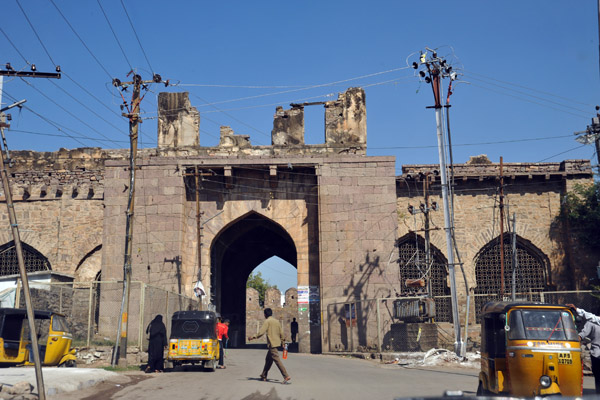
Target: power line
{"x":472,"y":144}
{"x":115,"y":35}
{"x":57,"y":135}
{"x":80,"y":39}
{"x":562,"y":152}
{"x":137,"y":37}
{"x":36,"y":34}
{"x":527,"y":100}
{"x":15,"y":47}
{"x":89,"y":109}
{"x":232,"y":117}
{"x":59,"y":127}
{"x":67,"y":111}
{"x":530,"y":95}
{"x":528,"y":88}
{"x":309,"y":87}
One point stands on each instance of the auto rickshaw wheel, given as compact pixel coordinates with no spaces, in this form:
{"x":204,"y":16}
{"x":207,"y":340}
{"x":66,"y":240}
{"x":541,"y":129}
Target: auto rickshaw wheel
{"x":481,"y":391}
{"x":68,"y":364}
{"x":209,"y":365}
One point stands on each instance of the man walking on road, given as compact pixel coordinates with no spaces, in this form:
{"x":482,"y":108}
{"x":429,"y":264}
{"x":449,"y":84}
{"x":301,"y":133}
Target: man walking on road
{"x":275,"y":339}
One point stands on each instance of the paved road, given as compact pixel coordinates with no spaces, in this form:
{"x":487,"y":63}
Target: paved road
{"x":313,"y":377}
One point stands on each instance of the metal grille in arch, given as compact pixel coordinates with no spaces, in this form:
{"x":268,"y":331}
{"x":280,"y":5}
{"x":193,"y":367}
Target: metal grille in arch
{"x":34,"y":260}
{"x":412,"y":266}
{"x":530,"y":274}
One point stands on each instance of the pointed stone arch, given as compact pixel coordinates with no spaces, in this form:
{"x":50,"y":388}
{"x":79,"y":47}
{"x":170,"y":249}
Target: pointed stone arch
{"x":90,"y":265}
{"x":235,"y":251}
{"x":34,"y":260}
{"x":532,"y":274}
{"x":411,"y":260}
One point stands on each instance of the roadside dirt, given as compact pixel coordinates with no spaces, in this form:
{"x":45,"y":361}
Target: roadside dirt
{"x":106,"y":389}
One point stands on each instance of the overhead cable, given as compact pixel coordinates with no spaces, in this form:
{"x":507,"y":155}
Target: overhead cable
{"x":137,"y":37}
{"x":36,"y":34}
{"x":81,"y":40}
{"x":115,"y":35}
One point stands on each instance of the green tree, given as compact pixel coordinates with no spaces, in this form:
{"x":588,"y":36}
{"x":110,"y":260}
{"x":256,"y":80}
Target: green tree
{"x":256,"y":281}
{"x":581,"y":209}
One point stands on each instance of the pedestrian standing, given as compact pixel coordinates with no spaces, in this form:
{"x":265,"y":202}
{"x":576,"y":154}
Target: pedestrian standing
{"x":157,"y":341}
{"x":272,"y":328}
{"x":591,"y":331}
{"x":222,"y":333}
{"x":294,"y":330}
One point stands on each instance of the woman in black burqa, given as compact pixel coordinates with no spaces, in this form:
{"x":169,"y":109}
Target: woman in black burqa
{"x":157,"y":333}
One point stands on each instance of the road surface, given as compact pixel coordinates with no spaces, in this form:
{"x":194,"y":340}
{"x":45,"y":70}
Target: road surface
{"x":313,"y":377}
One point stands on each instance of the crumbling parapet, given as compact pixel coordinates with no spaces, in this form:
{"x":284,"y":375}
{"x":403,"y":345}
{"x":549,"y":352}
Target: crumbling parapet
{"x":346,"y":119}
{"x":230,"y":140}
{"x":288,"y":127}
{"x":178,"y":121}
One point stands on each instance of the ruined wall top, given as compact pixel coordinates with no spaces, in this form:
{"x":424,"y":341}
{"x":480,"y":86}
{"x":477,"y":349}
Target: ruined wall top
{"x":482,"y":167}
{"x":345,"y":129}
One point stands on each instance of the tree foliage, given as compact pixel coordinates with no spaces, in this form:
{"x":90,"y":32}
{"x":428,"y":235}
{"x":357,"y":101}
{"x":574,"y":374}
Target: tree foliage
{"x":581,"y":209}
{"x":256,"y":281}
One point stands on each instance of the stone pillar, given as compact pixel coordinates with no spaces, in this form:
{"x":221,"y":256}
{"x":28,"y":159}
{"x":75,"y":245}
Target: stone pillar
{"x":288,"y":127}
{"x":178,"y":121}
{"x":346,"y":118}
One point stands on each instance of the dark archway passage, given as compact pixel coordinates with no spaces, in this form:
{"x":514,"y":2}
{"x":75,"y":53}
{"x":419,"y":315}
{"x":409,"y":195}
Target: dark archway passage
{"x":235,"y":252}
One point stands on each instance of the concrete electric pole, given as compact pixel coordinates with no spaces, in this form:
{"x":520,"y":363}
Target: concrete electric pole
{"x":133,"y":114}
{"x":435,"y":69}
{"x":592,"y":135}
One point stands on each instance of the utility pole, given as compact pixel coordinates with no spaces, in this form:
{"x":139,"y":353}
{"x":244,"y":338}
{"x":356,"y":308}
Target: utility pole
{"x":515,"y":260}
{"x":501,"y":206}
{"x":427,"y":239}
{"x":199,"y":177}
{"x":21,"y":261}
{"x":592,"y":135}
{"x":9,"y":71}
{"x":436,"y":69}
{"x":424,"y":208}
{"x":133,"y":110}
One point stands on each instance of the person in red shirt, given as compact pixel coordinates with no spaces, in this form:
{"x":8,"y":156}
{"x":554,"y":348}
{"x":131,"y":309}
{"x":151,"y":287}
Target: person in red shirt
{"x":222,"y":332}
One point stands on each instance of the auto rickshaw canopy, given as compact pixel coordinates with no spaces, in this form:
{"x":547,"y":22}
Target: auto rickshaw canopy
{"x":194,"y":325}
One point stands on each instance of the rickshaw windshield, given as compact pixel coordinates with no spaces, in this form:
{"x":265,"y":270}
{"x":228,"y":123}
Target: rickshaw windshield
{"x":59,"y":324}
{"x":542,"y":325}
{"x":193,"y":329}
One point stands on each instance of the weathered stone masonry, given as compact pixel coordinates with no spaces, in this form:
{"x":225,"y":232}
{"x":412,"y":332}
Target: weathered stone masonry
{"x":328,"y":209}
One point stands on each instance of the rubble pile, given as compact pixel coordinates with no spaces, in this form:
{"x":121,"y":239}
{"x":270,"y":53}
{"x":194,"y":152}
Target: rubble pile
{"x":18,"y":391}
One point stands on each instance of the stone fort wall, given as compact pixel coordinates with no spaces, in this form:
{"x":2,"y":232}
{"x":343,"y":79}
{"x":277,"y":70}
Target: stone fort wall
{"x":344,"y":225}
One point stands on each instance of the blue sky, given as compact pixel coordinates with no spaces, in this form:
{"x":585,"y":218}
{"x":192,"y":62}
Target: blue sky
{"x":529,"y":70}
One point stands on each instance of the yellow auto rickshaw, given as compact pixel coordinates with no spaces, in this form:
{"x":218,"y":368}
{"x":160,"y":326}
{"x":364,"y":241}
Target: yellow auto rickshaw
{"x":193,"y":339}
{"x":529,"y":349}
{"x":54,"y":338}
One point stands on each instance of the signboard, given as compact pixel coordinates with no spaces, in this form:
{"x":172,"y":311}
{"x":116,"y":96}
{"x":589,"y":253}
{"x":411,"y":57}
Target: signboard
{"x":303,"y":294}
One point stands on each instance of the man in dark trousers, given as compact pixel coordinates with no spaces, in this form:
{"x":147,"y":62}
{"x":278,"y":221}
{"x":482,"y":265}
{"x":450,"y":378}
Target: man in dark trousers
{"x":222,"y":335}
{"x":591,"y":331}
{"x":294,"y":330}
{"x":275,"y":339}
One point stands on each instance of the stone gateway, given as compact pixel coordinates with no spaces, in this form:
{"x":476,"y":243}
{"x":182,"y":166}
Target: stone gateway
{"x":337,"y":215}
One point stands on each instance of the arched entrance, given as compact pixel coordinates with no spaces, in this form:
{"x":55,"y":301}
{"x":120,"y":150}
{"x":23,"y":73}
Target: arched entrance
{"x":532,"y":274}
{"x":235,"y":252}
{"x":411,"y":260}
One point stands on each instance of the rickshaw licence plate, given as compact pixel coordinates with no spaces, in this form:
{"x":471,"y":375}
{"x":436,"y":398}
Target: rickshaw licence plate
{"x":565,"y":358}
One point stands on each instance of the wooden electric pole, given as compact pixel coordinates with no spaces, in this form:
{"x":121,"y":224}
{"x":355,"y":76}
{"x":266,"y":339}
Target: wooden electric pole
{"x":133,"y":114}
{"x":9,"y":71}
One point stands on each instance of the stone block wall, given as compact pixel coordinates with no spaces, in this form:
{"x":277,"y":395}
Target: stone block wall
{"x":285,"y":314}
{"x":358,"y":231}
